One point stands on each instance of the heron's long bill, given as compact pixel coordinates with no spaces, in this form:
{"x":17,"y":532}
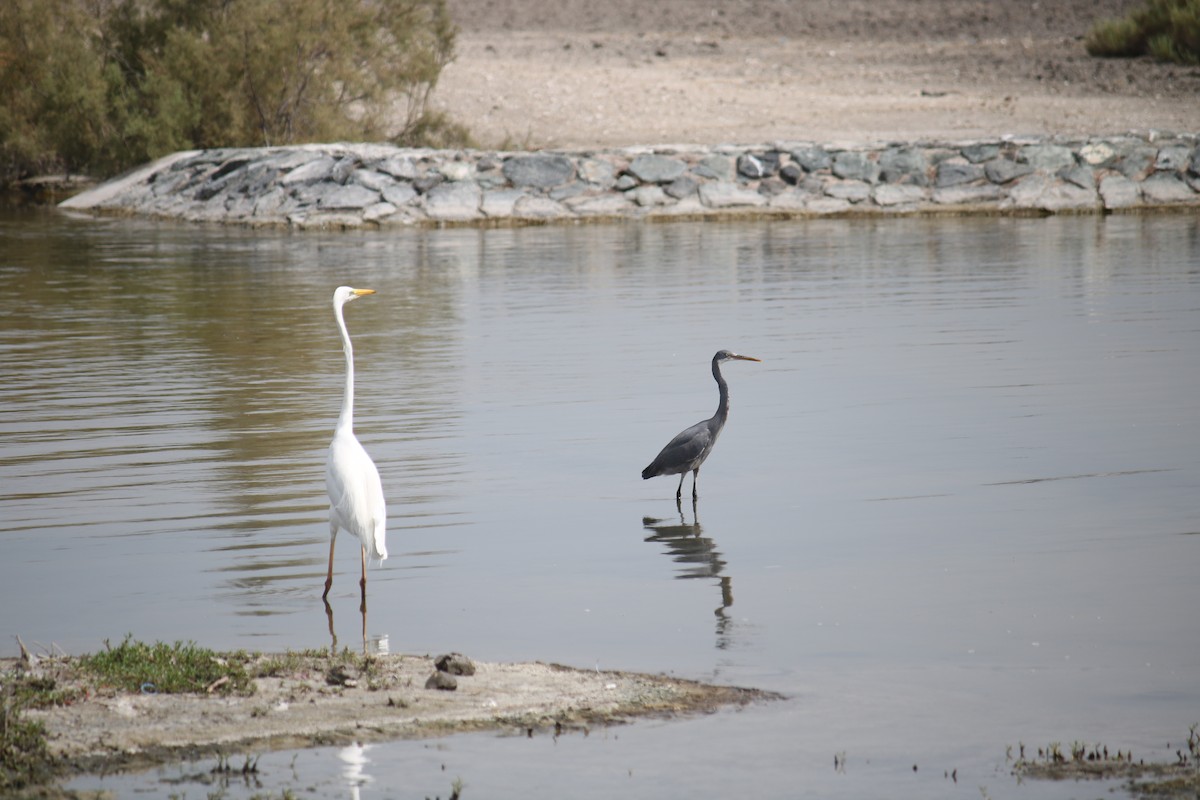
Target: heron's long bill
{"x":746,"y":358}
{"x":361,"y":292}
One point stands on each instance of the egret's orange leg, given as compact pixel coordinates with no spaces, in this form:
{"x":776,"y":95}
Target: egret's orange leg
{"x":329,"y":576}
{"x":363,"y":584}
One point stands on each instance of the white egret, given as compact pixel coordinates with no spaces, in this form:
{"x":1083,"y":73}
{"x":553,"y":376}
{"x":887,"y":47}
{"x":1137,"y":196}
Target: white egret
{"x":690,"y":447}
{"x":356,"y":502}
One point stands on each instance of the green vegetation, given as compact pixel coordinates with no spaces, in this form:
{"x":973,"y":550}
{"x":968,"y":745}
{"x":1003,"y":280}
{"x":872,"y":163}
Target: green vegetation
{"x":131,"y":666}
{"x":24,"y":757}
{"x":97,"y":87}
{"x":138,"y":667}
{"x":1168,"y":30}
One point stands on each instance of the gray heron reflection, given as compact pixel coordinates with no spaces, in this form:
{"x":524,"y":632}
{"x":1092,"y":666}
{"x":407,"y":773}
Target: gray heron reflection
{"x":696,"y":556}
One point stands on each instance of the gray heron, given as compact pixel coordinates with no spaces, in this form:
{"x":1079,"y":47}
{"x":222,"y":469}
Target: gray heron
{"x":687,"y":451}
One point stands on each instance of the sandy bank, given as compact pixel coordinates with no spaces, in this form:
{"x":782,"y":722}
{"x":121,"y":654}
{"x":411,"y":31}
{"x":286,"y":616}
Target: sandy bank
{"x":320,"y":702}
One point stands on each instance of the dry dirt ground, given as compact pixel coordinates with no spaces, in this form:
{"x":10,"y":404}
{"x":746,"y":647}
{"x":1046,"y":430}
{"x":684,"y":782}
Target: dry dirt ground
{"x":319,"y":701}
{"x":581,"y":74}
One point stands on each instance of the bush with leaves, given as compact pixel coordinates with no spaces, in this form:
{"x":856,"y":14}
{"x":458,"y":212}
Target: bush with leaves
{"x":101,"y":85}
{"x":1168,"y":30}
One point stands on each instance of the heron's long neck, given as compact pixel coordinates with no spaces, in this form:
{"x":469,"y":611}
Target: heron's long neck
{"x":723,"y":403}
{"x":346,"y":418}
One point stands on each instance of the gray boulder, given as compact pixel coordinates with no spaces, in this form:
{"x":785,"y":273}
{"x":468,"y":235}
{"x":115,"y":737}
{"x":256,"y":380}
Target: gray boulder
{"x":953,"y":173}
{"x":1165,"y":188}
{"x":812,"y":158}
{"x":656,"y":169}
{"x":348,"y":197}
{"x":855,"y":166}
{"x":903,"y":165}
{"x":1047,"y":157}
{"x":1003,"y":170}
{"x":539,"y":171}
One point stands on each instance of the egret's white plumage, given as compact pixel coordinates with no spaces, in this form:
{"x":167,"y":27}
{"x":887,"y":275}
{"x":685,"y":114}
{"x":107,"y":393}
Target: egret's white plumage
{"x":356,"y":502}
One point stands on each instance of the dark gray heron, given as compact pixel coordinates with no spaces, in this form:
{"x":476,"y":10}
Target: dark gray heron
{"x":687,"y":451}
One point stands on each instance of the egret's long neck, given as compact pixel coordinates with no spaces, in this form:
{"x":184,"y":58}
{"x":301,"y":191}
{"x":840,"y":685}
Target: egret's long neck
{"x":723,"y":403}
{"x":346,"y":418}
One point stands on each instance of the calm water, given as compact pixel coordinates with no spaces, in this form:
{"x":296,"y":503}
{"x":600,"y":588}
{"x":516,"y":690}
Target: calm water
{"x":955,"y":508}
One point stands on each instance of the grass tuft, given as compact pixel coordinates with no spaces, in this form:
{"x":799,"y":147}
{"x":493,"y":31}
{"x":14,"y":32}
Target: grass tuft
{"x":171,"y":669}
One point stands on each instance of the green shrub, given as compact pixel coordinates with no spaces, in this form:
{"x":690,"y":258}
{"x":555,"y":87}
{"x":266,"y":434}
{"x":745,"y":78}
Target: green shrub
{"x":1181,"y":41}
{"x":1168,"y":30}
{"x":99,"y":87}
{"x":1116,"y":38}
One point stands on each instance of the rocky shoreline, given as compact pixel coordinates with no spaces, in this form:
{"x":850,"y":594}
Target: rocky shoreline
{"x":347,"y":186}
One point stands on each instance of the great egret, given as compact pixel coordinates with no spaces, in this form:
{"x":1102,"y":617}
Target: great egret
{"x":356,"y":502}
{"x":688,"y":450}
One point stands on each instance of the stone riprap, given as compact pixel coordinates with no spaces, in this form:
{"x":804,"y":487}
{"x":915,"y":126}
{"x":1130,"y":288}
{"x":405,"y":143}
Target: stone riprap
{"x":368,"y":185}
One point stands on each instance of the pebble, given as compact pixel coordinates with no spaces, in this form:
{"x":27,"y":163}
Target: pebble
{"x":375,"y":186}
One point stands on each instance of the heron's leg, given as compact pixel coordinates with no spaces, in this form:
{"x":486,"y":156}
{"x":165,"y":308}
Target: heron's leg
{"x":332,"y":541}
{"x":695,"y":477}
{"x":679,"y":491}
{"x":363,"y":584}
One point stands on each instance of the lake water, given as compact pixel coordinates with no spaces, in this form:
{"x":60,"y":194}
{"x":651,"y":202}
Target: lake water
{"x":955,"y":508}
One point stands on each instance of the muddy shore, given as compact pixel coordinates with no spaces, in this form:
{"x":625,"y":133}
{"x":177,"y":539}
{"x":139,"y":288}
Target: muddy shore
{"x":319,"y":701}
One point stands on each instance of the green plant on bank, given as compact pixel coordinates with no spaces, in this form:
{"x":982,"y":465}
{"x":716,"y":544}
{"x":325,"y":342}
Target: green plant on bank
{"x":137,"y":667}
{"x":169,"y":669}
{"x":24,"y":756}
{"x":97,"y":87}
{"x":1168,"y":30}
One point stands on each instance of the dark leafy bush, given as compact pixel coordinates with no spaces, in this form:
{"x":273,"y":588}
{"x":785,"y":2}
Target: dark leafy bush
{"x":98,"y":86}
{"x":1168,"y":30}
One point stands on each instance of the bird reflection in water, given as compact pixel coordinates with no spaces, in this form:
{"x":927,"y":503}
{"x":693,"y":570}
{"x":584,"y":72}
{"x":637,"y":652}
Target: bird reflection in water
{"x":376,"y":645}
{"x":354,"y":762}
{"x":697,"y":557}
